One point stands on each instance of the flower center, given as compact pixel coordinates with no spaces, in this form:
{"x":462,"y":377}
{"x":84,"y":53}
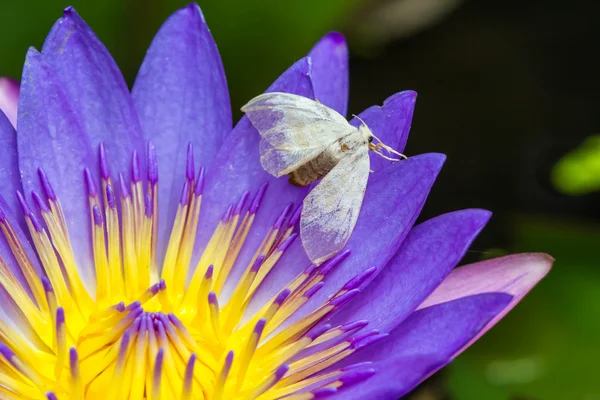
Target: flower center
{"x":142,"y":332}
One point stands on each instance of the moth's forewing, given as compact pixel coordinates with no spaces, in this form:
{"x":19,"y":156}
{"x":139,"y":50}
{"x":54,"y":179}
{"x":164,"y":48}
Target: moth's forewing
{"x":331,"y":209}
{"x":295,"y":129}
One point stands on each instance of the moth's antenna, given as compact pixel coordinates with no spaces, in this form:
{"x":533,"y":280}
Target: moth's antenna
{"x":388,"y":158}
{"x":387,"y":148}
{"x":381,"y":145}
{"x":360,"y":119}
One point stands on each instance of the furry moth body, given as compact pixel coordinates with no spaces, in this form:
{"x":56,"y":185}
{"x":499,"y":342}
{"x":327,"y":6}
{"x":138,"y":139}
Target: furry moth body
{"x":309,"y":141}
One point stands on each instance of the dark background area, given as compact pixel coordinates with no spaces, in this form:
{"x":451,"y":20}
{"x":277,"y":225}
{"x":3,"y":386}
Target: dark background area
{"x":506,"y":89}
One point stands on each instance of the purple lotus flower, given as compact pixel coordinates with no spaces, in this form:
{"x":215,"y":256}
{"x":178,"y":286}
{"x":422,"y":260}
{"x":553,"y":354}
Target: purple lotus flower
{"x":147,"y":253}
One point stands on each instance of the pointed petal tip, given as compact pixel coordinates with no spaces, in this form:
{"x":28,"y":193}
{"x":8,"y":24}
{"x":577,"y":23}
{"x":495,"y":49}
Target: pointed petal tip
{"x":514,"y":275}
{"x":405,"y":95}
{"x":32,"y":54}
{"x":336,"y":37}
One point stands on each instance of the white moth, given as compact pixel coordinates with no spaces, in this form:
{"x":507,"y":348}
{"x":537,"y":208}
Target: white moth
{"x":308,"y":141}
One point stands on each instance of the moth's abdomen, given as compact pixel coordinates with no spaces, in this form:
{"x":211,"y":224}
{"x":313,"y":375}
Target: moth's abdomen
{"x":318,"y":167}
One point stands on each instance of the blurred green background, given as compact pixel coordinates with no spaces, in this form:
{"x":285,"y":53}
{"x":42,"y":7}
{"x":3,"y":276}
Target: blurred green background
{"x":507,"y":89}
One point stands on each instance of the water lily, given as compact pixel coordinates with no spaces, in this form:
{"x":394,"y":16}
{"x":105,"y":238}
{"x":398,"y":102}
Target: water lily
{"x":148,"y":255}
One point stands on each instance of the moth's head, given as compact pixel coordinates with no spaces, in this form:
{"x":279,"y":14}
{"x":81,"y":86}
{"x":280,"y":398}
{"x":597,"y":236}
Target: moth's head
{"x":375,"y":145}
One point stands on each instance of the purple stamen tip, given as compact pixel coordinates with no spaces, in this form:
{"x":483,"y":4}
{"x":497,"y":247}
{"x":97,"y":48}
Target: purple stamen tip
{"x":345,"y":298}
{"x":212,"y":299}
{"x":73,"y":358}
{"x":359,"y":279}
{"x":51,"y":395}
{"x":363,"y":335}
{"x":334,"y":262}
{"x":257,"y":263}
{"x":34,"y":221}
{"x":39,"y":202}
{"x":124,"y":343}
{"x":152,"y":164}
{"x":185,"y":194}
{"x":260,"y":326}
{"x":60,"y":315}
{"x":148,"y":208}
{"x":189,"y":166}
{"x":135,"y":313}
{"x":354,"y":325}
{"x":353,"y":377}
{"x":46,"y":284}
{"x":357,"y":365}
{"x":104,"y":170}
{"x":229,"y":358}
{"x":295,"y":216}
{"x":23,"y":203}
{"x":120,"y":307}
{"x":310,"y":292}
{"x":279,"y":222}
{"x":241,"y":203}
{"x":258,"y":198}
{"x":282,"y":296}
{"x":309,"y":270}
{"x":189,"y":369}
{"x":287,"y":242}
{"x":123,"y":187}
{"x":6,"y":352}
{"x":97,"y":215}
{"x":281,"y":371}
{"x":155,"y":288}
{"x":110,"y":197}
{"x":175,"y":321}
{"x":318,"y":331}
{"x":209,"y":272}
{"x":227,"y":214}
{"x":89,"y":183}
{"x":158,"y":364}
{"x":162,"y":284}
{"x":133,"y":306}
{"x":135,"y":167}
{"x":368,"y":341}
{"x":323,"y":392}
{"x":199,"y":188}
{"x":46,"y":184}
{"x":136,"y":324}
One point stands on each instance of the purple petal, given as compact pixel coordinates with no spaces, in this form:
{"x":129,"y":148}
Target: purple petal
{"x":181,"y":96}
{"x":392,"y":203}
{"x":237,"y":169}
{"x":51,"y":136}
{"x":9,"y":163}
{"x":431,"y":335}
{"x":516,"y":275}
{"x":425,"y":258}
{"x":330,"y":71}
{"x":393,"y":378}
{"x":390,"y":123}
{"x":9,"y":98}
{"x":96,"y":88}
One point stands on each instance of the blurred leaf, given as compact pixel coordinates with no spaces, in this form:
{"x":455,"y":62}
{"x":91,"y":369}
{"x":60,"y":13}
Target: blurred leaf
{"x":387,"y":20}
{"x":578,"y":172}
{"x":547,"y":348}
{"x":26,"y":23}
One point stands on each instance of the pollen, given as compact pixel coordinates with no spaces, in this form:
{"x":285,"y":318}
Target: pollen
{"x":150,"y":326}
